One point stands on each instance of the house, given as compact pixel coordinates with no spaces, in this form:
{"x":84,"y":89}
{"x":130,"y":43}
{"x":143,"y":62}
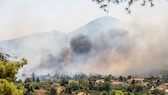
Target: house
{"x":99,"y":81}
{"x":71,"y":81}
{"x":117,"y":83}
{"x":161,"y":87}
{"x":145,"y":84}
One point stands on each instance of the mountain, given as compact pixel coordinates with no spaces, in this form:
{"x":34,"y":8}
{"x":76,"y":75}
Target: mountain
{"x":35,"y":46}
{"x":97,"y":26}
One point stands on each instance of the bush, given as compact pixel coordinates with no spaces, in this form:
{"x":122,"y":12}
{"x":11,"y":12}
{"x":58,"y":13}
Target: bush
{"x":36,"y":87}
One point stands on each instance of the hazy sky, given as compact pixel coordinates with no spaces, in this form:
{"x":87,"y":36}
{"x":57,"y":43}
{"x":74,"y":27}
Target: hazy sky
{"x":23,"y":17}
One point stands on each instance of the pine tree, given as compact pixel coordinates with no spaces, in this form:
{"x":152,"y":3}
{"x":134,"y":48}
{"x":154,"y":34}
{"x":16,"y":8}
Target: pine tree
{"x":37,"y":80}
{"x":8,"y":70}
{"x":33,"y":77}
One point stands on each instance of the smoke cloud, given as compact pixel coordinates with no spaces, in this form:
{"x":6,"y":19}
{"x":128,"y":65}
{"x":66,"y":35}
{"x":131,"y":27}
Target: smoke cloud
{"x":140,"y":48}
{"x":116,"y":52}
{"x":81,"y":44}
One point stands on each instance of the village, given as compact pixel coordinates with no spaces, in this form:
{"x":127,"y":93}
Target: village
{"x":82,"y":84}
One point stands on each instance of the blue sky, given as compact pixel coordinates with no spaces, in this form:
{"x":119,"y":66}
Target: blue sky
{"x":22,"y":17}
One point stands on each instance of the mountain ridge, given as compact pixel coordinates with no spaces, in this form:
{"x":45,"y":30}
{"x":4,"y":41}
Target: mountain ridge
{"x":35,"y":45}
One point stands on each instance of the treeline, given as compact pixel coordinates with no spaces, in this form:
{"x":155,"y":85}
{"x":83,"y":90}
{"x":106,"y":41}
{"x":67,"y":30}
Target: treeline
{"x":65,"y":84}
{"x":94,"y":85}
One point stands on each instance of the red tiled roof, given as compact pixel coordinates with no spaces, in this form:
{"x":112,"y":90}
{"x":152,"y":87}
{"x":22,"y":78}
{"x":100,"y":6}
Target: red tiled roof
{"x":138,"y":79}
{"x":161,"y":87}
{"x":116,"y":82}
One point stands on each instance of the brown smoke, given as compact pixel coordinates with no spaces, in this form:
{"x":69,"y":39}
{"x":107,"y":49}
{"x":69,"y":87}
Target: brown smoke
{"x":142,"y":49}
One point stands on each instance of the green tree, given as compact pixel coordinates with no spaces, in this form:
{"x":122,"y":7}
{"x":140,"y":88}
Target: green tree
{"x":27,"y":80}
{"x":8,"y":70}
{"x":37,"y":80}
{"x":108,"y":78}
{"x":91,"y":84}
{"x":33,"y":77}
{"x":63,"y":82}
{"x":106,"y":86}
{"x":138,"y":88}
{"x":53,"y":91}
{"x":133,"y":82}
{"x":29,"y":89}
{"x":84,"y":84}
{"x":130,"y":88}
{"x":129,"y":77}
{"x":8,"y":88}
{"x":19,"y":81}
{"x":121,"y":78}
{"x":157,"y":92}
{"x":73,"y":86}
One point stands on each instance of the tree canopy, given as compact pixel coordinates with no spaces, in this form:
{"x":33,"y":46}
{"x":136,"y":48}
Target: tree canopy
{"x":8,"y":70}
{"x":105,"y":4}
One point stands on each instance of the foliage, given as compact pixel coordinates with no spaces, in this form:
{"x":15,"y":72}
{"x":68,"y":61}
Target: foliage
{"x":37,"y":87}
{"x":63,"y":82}
{"x":37,"y":80}
{"x":82,"y":82}
{"x":72,"y":87}
{"x":129,"y":77}
{"x":157,"y":92}
{"x":91,"y":85}
{"x":83,"y":85}
{"x":27,"y":80}
{"x":79,"y":76}
{"x":45,"y":86}
{"x":8,"y":71}
{"x":19,"y":81}
{"x":33,"y":77}
{"x":138,"y":88}
{"x":107,"y":79}
{"x":121,"y":78}
{"x":8,"y":88}
{"x":105,"y":4}
{"x":53,"y":91}
{"x":105,"y":86}
{"x":29,"y":89}
{"x":94,"y":92}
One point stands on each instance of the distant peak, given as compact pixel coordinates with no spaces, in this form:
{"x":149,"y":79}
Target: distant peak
{"x":106,"y":17}
{"x":99,"y":25}
{"x":105,"y":20}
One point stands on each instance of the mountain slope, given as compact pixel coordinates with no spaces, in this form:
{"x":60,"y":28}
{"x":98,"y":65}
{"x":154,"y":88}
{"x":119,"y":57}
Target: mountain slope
{"x":98,"y":26}
{"x":37,"y":46}
{"x":33,"y":43}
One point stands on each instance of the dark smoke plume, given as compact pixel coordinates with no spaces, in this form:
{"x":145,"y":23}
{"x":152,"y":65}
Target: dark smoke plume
{"x":117,"y":52}
{"x":86,"y":51}
{"x":81,"y":44}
